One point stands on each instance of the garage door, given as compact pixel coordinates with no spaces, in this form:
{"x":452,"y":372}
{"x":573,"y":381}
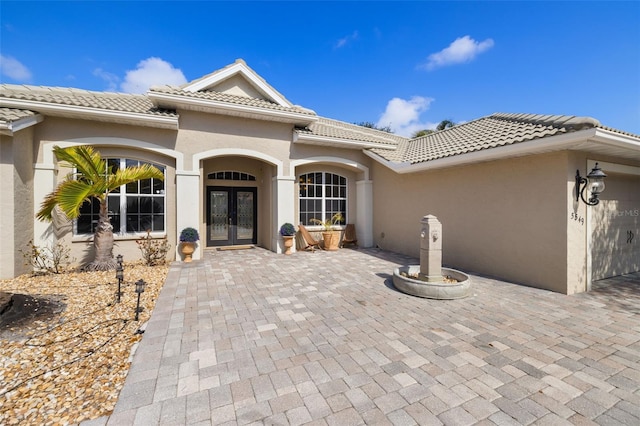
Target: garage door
{"x":615,"y":238}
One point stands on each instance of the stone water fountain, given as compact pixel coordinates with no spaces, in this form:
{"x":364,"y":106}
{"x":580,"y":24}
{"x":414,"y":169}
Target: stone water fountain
{"x":430,"y":279}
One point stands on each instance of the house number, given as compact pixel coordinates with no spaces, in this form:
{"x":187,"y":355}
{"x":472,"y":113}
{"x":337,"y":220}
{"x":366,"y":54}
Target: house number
{"x":577,"y":218}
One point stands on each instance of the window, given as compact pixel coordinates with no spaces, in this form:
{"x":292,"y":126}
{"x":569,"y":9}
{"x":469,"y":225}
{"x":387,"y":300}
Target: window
{"x":321,"y":196}
{"x":135,"y":207}
{"x":229,"y":175}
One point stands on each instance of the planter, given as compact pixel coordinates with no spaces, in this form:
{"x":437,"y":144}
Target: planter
{"x":187,"y":250}
{"x":288,"y":243}
{"x":331,"y":240}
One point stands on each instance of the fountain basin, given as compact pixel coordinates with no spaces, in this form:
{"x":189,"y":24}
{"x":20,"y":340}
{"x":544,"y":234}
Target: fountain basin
{"x":432,"y":290}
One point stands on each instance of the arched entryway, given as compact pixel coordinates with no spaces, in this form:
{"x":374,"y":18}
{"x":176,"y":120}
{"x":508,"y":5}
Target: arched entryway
{"x":238,"y":194}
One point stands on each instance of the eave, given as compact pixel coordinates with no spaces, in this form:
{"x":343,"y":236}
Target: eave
{"x":168,"y":100}
{"x":10,"y":127}
{"x":96,"y":114}
{"x":337,"y":142}
{"x":594,"y":141}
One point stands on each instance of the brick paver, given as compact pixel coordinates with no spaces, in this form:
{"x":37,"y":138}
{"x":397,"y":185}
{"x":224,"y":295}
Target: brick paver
{"x":324,"y":338}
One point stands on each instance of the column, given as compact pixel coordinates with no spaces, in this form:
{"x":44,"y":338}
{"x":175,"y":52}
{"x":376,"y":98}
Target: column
{"x":188,"y":207}
{"x":284,"y":211}
{"x":44,"y":183}
{"x":364,"y":212}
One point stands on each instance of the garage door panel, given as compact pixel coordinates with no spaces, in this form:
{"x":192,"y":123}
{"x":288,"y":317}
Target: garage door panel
{"x":615,"y":237}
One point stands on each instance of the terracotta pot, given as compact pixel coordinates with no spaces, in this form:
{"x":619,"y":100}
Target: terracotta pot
{"x":187,"y":250}
{"x":331,"y":240}
{"x":288,"y":243}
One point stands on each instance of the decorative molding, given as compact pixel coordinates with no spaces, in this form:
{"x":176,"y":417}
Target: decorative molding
{"x":107,"y":141}
{"x":327,"y":159}
{"x":220,"y":152}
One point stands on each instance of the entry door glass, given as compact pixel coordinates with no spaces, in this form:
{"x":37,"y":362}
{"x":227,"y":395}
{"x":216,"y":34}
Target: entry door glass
{"x":245,"y":215}
{"x":231,"y":216}
{"x":218,"y":216}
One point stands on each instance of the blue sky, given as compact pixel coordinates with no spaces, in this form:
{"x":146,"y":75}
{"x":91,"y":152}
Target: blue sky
{"x":408,"y":65}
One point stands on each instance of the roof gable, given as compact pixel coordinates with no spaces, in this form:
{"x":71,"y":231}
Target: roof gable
{"x":239,"y":80}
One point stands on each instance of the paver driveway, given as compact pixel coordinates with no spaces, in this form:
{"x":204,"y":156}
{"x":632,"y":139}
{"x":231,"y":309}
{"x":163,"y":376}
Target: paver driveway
{"x":323,"y":338}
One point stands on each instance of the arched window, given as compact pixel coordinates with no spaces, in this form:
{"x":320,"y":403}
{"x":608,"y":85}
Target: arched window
{"x":321,"y":196}
{"x":231,"y":175}
{"x":135,"y":207}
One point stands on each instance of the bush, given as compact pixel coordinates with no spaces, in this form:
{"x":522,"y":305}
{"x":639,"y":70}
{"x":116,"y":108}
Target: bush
{"x":189,"y":235}
{"x":287,"y":230}
{"x":154,"y":251}
{"x":53,"y":259}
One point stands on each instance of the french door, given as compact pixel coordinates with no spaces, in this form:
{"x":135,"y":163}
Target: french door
{"x":231,"y":216}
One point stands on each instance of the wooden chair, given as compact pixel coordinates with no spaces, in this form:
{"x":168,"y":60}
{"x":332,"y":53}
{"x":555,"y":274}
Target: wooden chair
{"x":349,"y":235}
{"x":309,"y":241}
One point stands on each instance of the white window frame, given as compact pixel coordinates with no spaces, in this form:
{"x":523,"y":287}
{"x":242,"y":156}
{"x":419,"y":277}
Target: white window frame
{"x":122,"y":232}
{"x":325,"y":198}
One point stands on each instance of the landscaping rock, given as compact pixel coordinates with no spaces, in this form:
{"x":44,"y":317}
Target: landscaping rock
{"x":65,"y":357}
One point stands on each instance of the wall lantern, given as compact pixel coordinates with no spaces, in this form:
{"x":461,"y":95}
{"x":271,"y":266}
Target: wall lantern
{"x":140,"y":285}
{"x":594,"y":182}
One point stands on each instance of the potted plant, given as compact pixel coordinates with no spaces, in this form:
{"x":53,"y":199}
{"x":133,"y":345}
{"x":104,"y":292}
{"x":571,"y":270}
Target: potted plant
{"x":330,"y":236}
{"x":188,"y":238}
{"x":287,"y":231}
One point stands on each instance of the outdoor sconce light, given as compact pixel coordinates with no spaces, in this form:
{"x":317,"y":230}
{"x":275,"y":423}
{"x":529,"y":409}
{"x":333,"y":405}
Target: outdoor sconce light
{"x":594,"y":181}
{"x":140,"y":285}
{"x":119,"y":277}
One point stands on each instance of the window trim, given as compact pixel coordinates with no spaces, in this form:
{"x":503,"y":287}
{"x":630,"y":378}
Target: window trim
{"x":119,"y":235}
{"x":324,"y":199}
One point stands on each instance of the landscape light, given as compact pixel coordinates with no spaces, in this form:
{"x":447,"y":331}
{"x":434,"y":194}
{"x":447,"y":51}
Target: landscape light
{"x":140,"y":285}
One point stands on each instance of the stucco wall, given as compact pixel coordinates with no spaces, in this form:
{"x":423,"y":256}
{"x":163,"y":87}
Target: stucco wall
{"x":54,"y":129}
{"x":200,"y":133}
{"x":16,"y":218}
{"x":503,"y":218}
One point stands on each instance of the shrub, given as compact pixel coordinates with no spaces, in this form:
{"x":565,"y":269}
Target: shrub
{"x":287,"y":230}
{"x":53,"y":259}
{"x":189,"y":235}
{"x":154,"y":251}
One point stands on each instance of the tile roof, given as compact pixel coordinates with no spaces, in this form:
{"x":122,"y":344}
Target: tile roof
{"x":488,"y":132}
{"x":341,"y":130}
{"x":120,"y":102}
{"x":13,"y":114}
{"x":229,"y":99}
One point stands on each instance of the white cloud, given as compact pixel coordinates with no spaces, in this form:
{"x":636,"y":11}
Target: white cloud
{"x":343,"y":41}
{"x":463,"y":49}
{"x":403,"y":116}
{"x":149,"y":72}
{"x":111,"y":79}
{"x":14,"y":69}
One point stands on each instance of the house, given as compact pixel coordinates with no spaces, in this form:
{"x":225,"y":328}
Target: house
{"x":240,"y":160}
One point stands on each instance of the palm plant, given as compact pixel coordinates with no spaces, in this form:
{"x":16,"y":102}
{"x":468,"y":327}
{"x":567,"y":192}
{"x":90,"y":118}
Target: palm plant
{"x":329,"y":223}
{"x":92,"y":179}
{"x":445,"y":124}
